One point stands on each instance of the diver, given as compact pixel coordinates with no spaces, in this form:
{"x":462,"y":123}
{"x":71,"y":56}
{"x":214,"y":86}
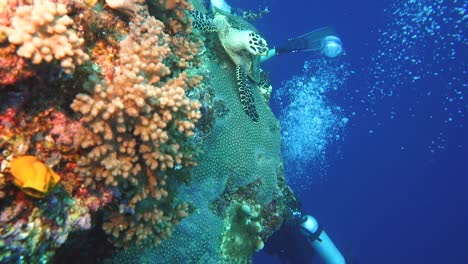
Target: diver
{"x":299,"y":238}
{"x":323,"y":40}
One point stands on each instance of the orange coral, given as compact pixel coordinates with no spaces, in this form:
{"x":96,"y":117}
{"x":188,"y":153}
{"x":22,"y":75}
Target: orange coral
{"x":178,"y":15}
{"x":43,"y":31}
{"x":185,"y":50}
{"x":139,"y":129}
{"x":132,"y":118}
{"x":170,"y":4}
{"x":33,"y":176}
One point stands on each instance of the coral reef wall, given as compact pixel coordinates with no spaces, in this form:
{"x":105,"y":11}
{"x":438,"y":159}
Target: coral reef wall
{"x":119,"y":119}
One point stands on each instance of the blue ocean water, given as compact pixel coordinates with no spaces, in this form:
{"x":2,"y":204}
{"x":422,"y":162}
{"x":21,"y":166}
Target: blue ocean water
{"x":376,"y":145}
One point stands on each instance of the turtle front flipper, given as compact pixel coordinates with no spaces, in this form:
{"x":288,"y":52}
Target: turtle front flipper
{"x":245,"y":94}
{"x":264,"y":86}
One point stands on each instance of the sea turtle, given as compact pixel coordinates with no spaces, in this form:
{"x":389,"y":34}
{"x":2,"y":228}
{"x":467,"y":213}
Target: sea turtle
{"x":244,"y":47}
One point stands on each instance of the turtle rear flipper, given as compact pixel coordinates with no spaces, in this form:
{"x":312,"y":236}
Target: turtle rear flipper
{"x":245,"y":94}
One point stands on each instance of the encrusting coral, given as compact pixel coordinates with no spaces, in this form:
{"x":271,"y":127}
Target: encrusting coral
{"x":32,"y":229}
{"x":31,"y":233}
{"x":43,"y":32}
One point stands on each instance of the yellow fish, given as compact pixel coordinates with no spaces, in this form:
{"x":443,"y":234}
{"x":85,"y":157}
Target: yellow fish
{"x":33,"y":177}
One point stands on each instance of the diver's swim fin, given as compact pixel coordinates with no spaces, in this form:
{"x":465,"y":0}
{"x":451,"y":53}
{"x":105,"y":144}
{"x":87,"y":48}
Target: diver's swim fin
{"x":311,"y":41}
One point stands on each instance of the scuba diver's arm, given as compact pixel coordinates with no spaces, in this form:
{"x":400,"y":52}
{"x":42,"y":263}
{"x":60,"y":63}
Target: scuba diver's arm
{"x":323,"y":40}
{"x":270,"y":54}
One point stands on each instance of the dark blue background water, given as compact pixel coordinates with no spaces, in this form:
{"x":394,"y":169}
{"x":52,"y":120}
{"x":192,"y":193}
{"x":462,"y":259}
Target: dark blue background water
{"x":398,"y":190}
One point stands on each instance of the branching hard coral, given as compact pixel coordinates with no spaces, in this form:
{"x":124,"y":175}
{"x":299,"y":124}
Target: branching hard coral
{"x":171,"y":4}
{"x":183,"y":49}
{"x":139,"y":131}
{"x":43,"y":32}
{"x":175,"y":13}
{"x":137,"y":106}
{"x":153,"y":226}
{"x":128,"y":7}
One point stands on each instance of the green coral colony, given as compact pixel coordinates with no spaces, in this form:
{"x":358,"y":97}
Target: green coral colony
{"x":154,"y":116}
